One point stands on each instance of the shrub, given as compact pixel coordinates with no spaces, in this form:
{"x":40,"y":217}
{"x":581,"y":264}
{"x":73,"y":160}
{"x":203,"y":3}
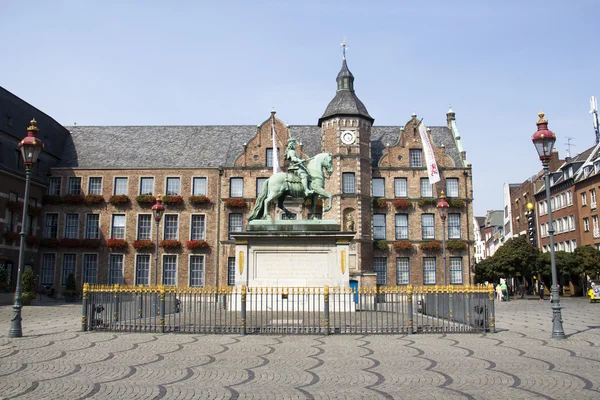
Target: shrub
{"x":403,"y":204}
{"x":380,"y":203}
{"x":11,"y":236}
{"x":4,"y":279}
{"x":92,"y":199}
{"x":402,"y":245}
{"x":73,"y":199}
{"x":170,"y":244}
{"x":143,"y":244}
{"x":380,"y":245}
{"x":433,"y":245}
{"x":456,"y":203}
{"x":71,"y":291}
{"x":172,"y":200}
{"x":196,"y":244}
{"x":199,"y":200}
{"x":51,"y":199}
{"x":236,"y":202}
{"x":145,"y":199}
{"x":427,"y":202}
{"x":456,"y":245}
{"x":119,"y":199}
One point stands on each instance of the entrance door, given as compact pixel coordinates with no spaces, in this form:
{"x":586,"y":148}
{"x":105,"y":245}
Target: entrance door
{"x":354,"y":287}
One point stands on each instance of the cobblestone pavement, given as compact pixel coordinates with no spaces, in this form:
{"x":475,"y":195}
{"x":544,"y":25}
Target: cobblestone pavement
{"x":54,"y":360}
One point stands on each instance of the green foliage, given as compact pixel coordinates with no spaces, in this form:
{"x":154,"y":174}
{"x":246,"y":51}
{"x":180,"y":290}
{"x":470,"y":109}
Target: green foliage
{"x":380,"y":245}
{"x":427,"y":203}
{"x":517,"y":257}
{"x":588,"y":260}
{"x":487,"y":271}
{"x":456,"y":245}
{"x":566,"y":264}
{"x":3,"y":279}
{"x":28,"y":281}
{"x":71,"y":287}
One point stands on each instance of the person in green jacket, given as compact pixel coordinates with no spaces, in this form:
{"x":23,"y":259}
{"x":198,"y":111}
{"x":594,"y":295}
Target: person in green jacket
{"x":504,"y":290}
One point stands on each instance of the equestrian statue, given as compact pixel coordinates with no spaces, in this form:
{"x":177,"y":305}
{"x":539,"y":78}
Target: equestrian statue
{"x":303,"y":178}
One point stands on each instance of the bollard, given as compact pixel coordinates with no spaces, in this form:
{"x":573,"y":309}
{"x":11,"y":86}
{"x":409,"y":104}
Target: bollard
{"x":84,"y":307}
{"x":162,"y":309}
{"x":326,"y":308}
{"x":490,"y":306}
{"x":243,"y":322}
{"x":409,"y":304}
{"x":116,"y":302}
{"x":140,"y":305}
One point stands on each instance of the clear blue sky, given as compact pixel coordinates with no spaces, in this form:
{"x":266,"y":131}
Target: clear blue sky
{"x":498,"y":63}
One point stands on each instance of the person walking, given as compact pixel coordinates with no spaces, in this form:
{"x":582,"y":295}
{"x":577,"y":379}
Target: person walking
{"x":541,"y":290}
{"x":504,"y":290}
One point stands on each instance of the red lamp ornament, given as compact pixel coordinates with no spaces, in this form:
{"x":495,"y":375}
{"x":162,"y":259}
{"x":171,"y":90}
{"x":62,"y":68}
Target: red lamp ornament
{"x":543,"y":139}
{"x":158,"y":209}
{"x":443,"y":206}
{"x":31,"y":146}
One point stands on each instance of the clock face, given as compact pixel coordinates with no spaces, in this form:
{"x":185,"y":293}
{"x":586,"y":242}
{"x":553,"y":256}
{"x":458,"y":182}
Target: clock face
{"x":348,"y":137}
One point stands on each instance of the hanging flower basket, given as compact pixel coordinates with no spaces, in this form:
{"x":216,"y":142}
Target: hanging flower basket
{"x":11,"y":236}
{"x":116,"y":243}
{"x":197,"y":244}
{"x":403,"y":245}
{"x":170,"y":244}
{"x":145,"y":200}
{"x":199,"y":200}
{"x":72,"y":199}
{"x":456,"y":203}
{"x":423,"y":203}
{"x":119,"y":199}
{"x":403,"y":204}
{"x":48,"y":199}
{"x":50,"y":243}
{"x":433,"y":246}
{"x":380,"y":203}
{"x":93,"y":199}
{"x":14,"y":206}
{"x":456,"y":245}
{"x":236,"y":202}
{"x":380,"y":245}
{"x":35,"y":211}
{"x":32,"y":240}
{"x":172,"y":200}
{"x":143,"y":244}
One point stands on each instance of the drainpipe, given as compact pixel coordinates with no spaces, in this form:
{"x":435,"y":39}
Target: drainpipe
{"x":466,"y":175}
{"x":218,"y":231}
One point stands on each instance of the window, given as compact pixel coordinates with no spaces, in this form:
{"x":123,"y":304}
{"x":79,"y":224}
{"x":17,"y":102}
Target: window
{"x":453,"y":226}
{"x":199,"y":187}
{"x":173,"y":186}
{"x":53,"y":186}
{"x":144,"y":227}
{"x":260,"y":182}
{"x":595,"y":223}
{"x":118,"y":226}
{"x":427,"y":226}
{"x":71,"y":226}
{"x":270,"y":157}
{"x":236,"y":187}
{"x":120,"y":186}
{"x":563,"y":199}
{"x":348,"y":183}
{"x":47,"y":270}
{"x":235,"y":223}
{"x":69,"y":263}
{"x":593,"y":197}
{"x":95,"y":186}
{"x":505,"y":211}
{"x":584,"y":199}
{"x":92,"y":224}
{"x":290,"y":217}
{"x":569,"y":198}
{"x":429,"y":270}
{"x":456,"y":271}
{"x":90,"y":268}
{"x":51,"y":226}
{"x":452,"y":187}
{"x":169,"y":270}
{"x":147,"y":186}
{"x":426,"y":188}
{"x":115,"y":269}
{"x":196,"y":270}
{"x":378,"y":187}
{"x":171,"y":225}
{"x":74,"y":185}
{"x":380,"y":267}
{"x":378,"y":226}
{"x":198,"y":228}
{"x":402,"y":271}
{"x":142,"y":269}
{"x":400,"y":187}
{"x":416,"y":158}
{"x":571,"y":222}
{"x":401,"y":226}
{"x":231,"y":271}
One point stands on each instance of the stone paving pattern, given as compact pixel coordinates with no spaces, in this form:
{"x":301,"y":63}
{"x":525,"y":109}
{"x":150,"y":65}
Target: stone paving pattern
{"x":54,"y":360}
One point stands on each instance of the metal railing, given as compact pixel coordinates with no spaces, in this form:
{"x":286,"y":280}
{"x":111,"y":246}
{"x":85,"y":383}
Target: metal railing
{"x":296,"y":310}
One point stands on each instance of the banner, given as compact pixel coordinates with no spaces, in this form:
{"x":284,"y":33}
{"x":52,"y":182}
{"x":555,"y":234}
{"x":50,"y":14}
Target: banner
{"x":275,"y":152}
{"x":432,"y":169}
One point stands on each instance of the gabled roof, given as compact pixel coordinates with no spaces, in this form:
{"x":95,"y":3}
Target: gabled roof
{"x":576,"y":163}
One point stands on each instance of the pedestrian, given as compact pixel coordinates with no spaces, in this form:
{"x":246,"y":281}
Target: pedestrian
{"x":541,"y":289}
{"x":504,"y":290}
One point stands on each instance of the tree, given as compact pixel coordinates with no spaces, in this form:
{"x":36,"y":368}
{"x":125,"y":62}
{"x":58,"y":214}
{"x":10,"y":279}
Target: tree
{"x":588,"y":260}
{"x":516,"y":257}
{"x":487,"y":271}
{"x":566,"y":264}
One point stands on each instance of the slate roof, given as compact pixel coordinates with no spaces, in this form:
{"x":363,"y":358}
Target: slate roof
{"x":92,"y":147}
{"x":494,"y":218}
{"x":345,"y":102}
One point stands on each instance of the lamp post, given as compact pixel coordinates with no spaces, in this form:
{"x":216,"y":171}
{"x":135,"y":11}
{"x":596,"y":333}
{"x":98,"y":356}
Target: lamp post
{"x":31,"y":147}
{"x":544,"y":139}
{"x":157,"y":209}
{"x":442,"y":207}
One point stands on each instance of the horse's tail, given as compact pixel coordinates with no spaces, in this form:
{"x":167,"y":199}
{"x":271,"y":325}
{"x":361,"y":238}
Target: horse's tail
{"x":257,"y":212}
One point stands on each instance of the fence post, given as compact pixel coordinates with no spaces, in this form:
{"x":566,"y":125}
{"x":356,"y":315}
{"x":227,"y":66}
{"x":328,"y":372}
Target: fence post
{"x":243,"y":326}
{"x":162,"y":308}
{"x":116,"y":302}
{"x":468,"y":292}
{"x":140,"y":299}
{"x":490,"y":307}
{"x":326,"y":308}
{"x":409,"y":303}
{"x":84,"y":307}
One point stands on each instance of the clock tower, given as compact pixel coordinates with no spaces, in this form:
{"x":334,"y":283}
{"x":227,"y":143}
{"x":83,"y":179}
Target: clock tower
{"x":346,"y":133}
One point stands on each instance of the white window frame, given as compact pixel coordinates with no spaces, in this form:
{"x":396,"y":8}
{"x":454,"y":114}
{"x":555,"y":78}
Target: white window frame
{"x":115,"y":269}
{"x":236,"y":187}
{"x":172,"y":280}
{"x":117,"y":190}
{"x":166,"y":226}
{"x":145,"y":192}
{"x":197,"y":281}
{"x":92,"y":189}
{"x":199,"y":186}
{"x":172,"y":189}
{"x":402,"y":270}
{"x":113,"y":226}
{"x":400,"y":187}
{"x":452,"y":187}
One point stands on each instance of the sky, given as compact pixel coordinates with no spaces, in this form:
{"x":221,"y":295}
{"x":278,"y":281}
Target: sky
{"x":497,"y":63}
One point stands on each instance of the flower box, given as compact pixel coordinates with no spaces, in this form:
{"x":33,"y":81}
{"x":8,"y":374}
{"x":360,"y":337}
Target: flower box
{"x":380,"y":245}
{"x":236,"y":202}
{"x":456,"y":203}
{"x":14,"y":206}
{"x":145,"y":199}
{"x":11,"y":236}
{"x":427,"y":203}
{"x":433,"y":245}
{"x":116,"y":243}
{"x":72,"y":199}
{"x":456,"y":245}
{"x":69,"y":243}
{"x":93,"y":199}
{"x":170,"y":244}
{"x":143,"y":244}
{"x":403,"y":245}
{"x":49,"y":242}
{"x":35,"y":211}
{"x":403,"y":204}
{"x":380,"y":203}
{"x":119,"y":199}
{"x":90,"y":243}
{"x":196,"y":244}
{"x":32,"y":240}
{"x":199,"y":200}
{"x":48,"y":199}
{"x":172,"y":200}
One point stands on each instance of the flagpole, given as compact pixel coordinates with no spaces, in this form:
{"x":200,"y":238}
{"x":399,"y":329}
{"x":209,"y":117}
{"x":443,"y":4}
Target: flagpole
{"x":276,"y":168}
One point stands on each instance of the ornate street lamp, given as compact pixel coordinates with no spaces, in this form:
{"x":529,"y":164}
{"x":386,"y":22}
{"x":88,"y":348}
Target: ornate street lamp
{"x":31,"y":147}
{"x":442,"y":207}
{"x":544,"y":139}
{"x":157,"y":209}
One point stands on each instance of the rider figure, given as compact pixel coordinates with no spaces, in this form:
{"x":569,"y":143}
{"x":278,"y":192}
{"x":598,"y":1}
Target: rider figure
{"x":297,"y":165}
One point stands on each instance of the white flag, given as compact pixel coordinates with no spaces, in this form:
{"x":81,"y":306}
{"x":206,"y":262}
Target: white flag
{"x":432,"y":169}
{"x":275,"y":153}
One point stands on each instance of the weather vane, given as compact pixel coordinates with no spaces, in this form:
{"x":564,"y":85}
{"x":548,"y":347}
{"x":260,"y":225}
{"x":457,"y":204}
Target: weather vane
{"x":344,"y":47}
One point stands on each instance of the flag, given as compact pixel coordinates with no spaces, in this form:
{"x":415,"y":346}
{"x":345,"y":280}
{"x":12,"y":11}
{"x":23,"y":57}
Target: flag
{"x":276,"y":168}
{"x":432,"y":169}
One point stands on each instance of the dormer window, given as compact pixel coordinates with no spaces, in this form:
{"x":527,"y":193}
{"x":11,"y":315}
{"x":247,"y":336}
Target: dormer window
{"x":596,"y":166}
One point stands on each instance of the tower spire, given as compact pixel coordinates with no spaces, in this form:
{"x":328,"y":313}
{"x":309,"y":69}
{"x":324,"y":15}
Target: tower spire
{"x":344,"y":48}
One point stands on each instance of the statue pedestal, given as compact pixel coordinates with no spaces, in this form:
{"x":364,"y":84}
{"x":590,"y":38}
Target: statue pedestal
{"x":292,"y":254}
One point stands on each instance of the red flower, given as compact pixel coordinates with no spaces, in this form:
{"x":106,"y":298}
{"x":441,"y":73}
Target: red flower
{"x":403,"y":203}
{"x":172,"y":200}
{"x":196,"y":244}
{"x":143,"y":244}
{"x":145,"y":199}
{"x":199,"y":200}
{"x":403,"y":245}
{"x":73,"y":199}
{"x":116,"y":243}
{"x":92,"y":199}
{"x":236,"y":202}
{"x":119,"y":199}
{"x":170,"y":244}
{"x":11,"y":236}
